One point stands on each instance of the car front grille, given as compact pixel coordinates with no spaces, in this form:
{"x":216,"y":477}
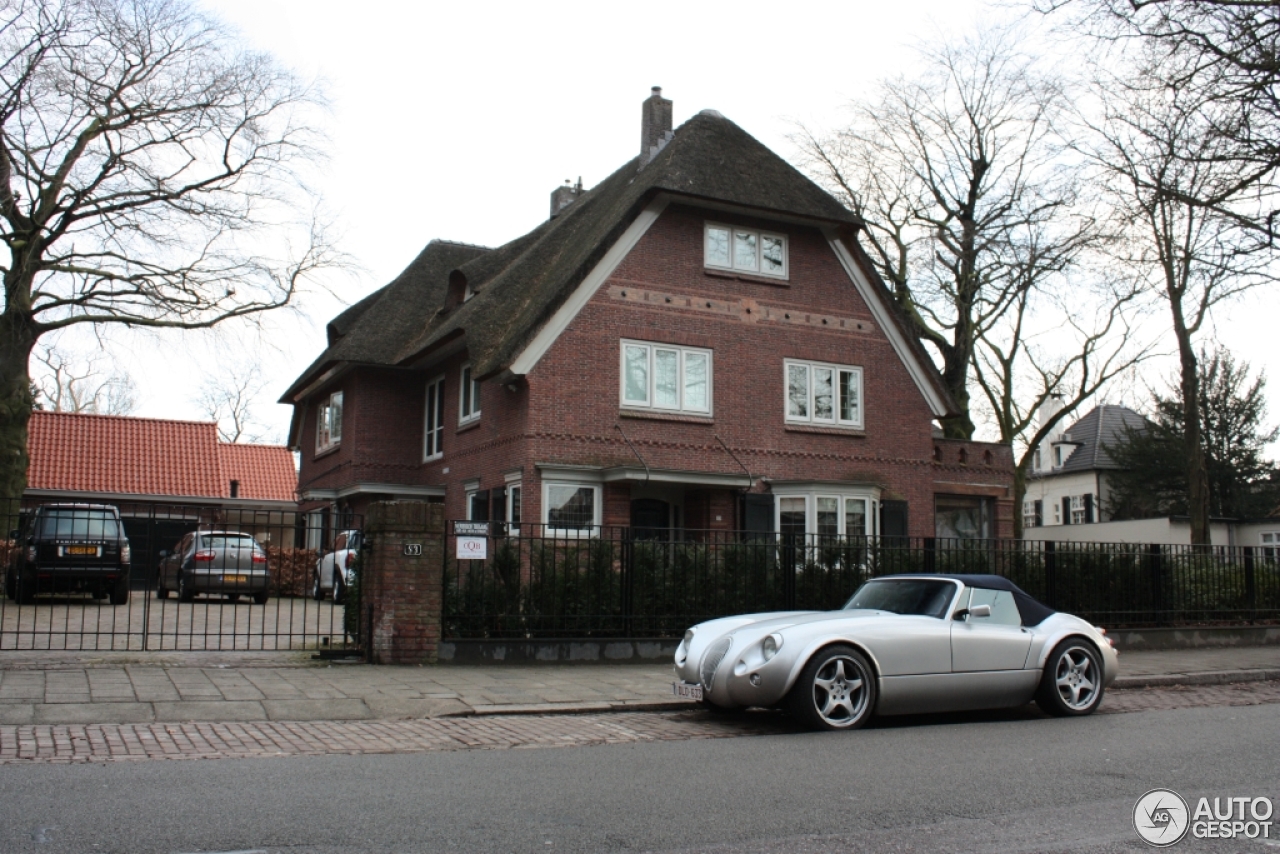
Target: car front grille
{"x":712,"y":660}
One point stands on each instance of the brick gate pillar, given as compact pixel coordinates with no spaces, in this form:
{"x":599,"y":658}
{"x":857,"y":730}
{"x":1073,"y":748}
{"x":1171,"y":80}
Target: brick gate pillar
{"x":402,"y":581}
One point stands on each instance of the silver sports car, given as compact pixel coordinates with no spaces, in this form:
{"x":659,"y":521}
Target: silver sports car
{"x":903,"y":644}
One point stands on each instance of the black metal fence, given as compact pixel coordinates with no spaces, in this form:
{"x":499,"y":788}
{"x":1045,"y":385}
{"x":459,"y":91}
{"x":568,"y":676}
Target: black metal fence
{"x":613,"y":583}
{"x":71,"y":583}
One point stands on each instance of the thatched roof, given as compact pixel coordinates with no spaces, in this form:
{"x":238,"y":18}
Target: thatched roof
{"x":517,"y":287}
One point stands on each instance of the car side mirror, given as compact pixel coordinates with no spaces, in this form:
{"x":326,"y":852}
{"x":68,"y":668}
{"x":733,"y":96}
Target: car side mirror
{"x":962,"y":614}
{"x":980,"y":611}
{"x":163,"y":553}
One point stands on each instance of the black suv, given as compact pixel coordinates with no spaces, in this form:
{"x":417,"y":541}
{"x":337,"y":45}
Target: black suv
{"x":70,"y":548}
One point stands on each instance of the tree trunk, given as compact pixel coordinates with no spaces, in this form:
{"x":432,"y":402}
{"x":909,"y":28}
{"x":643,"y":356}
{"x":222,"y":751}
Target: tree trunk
{"x":1197,"y":470}
{"x":17,"y":338}
{"x":1019,"y":497}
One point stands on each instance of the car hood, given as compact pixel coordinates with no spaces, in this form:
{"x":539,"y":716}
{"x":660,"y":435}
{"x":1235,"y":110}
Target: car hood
{"x":758,"y":625}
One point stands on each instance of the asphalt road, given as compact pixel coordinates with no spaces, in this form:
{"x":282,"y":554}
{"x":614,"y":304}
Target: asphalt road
{"x":982,"y":783}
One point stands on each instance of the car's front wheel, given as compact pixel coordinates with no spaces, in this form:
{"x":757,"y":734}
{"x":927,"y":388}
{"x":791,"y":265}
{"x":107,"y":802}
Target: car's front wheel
{"x":836,"y":690}
{"x":339,"y":588}
{"x":317,"y":592}
{"x":1072,"y":679}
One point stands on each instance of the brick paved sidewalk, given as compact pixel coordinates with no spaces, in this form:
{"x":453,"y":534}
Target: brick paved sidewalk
{"x":131,"y":742}
{"x":88,"y":688}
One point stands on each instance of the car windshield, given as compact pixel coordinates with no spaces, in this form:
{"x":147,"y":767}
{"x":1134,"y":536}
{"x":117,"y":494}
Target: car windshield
{"x":918,"y":596}
{"x":223,"y":541}
{"x":80,"y":523}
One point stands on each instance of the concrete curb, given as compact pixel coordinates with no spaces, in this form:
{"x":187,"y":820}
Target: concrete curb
{"x":1211,"y":677}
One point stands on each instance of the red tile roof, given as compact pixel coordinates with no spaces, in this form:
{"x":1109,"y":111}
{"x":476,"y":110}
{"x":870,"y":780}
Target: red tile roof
{"x":149,"y":456}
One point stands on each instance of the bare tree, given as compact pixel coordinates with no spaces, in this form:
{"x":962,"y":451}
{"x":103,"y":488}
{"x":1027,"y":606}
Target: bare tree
{"x":1227,"y":51}
{"x":1190,"y":210}
{"x":967,"y":202}
{"x":69,"y":386}
{"x":228,"y":398}
{"x":149,"y":176}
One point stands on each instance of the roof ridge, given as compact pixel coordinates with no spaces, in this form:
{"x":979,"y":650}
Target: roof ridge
{"x":459,"y":243}
{"x":43,"y":412}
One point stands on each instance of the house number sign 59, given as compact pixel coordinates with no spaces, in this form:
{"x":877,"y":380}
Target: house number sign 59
{"x":413,"y":549}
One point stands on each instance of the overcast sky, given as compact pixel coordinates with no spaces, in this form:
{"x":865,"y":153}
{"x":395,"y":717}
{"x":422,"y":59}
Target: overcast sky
{"x":457,"y":120}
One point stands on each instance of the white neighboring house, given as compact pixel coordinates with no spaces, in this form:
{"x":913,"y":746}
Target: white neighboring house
{"x":1069,"y":480}
{"x":1068,"y":492}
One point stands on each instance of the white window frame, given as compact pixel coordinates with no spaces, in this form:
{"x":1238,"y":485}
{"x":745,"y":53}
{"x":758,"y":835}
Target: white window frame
{"x":597,"y":508}
{"x":1077,"y":510}
{"x":1029,"y":513}
{"x":760,"y":237}
{"x":649,"y":403}
{"x":468,"y":384}
{"x":810,"y":418}
{"x":515,"y":498}
{"x":811,"y":509}
{"x":1269,"y":546}
{"x":326,"y":436}
{"x":1057,"y":512}
{"x":433,"y":435}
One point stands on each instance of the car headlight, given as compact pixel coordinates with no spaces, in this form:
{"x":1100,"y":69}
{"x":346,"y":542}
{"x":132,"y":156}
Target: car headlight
{"x":770,"y":646}
{"x":682,"y":651}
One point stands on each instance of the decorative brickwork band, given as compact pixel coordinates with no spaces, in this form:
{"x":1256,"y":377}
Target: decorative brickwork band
{"x":401,"y":588}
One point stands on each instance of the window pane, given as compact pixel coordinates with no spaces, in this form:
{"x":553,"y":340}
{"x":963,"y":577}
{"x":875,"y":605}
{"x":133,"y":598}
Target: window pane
{"x":823,"y":400}
{"x":791,"y":517}
{"x":849,"y":404}
{"x":718,"y":247}
{"x":797,"y":391}
{"x":828,"y":517}
{"x":636,"y":382}
{"x":466,"y":392}
{"x":771,"y":255}
{"x":855,"y":517}
{"x":744,"y":250}
{"x":666,"y":371}
{"x":514,"y":511}
{"x":570,"y":507}
{"x":335,"y":418}
{"x":695,"y":382}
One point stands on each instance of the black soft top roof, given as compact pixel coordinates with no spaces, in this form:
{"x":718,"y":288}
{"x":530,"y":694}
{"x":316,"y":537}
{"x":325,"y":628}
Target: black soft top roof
{"x":1032,"y":612}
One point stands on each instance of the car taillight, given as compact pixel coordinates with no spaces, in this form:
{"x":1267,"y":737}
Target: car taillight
{"x":126,"y":553}
{"x":351,"y":558}
{"x":203,"y":557}
{"x":259,"y":557}
{"x":31,"y":553}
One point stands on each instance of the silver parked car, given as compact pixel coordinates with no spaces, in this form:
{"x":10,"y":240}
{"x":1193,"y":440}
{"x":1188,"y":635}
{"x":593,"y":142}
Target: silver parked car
{"x":229,"y":563}
{"x":903,"y":644}
{"x":333,"y":571}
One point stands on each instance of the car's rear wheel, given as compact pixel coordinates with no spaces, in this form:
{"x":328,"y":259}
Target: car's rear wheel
{"x":120,"y":591}
{"x":162,"y":592}
{"x":233,"y":597}
{"x":185,"y":591}
{"x":25,"y":588}
{"x":836,"y":690}
{"x":260,"y":598}
{"x":1072,"y":680}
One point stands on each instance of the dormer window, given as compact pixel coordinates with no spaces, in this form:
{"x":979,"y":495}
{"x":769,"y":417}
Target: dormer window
{"x":745,"y":250}
{"x":1057,"y":456}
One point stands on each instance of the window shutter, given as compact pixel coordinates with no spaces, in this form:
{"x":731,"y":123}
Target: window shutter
{"x":893,"y":518}
{"x":499,"y":504}
{"x":1066,"y":510}
{"x":1088,"y":508}
{"x":757,"y":514}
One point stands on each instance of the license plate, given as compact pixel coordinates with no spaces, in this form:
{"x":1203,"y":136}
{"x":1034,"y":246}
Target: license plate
{"x":238,"y":578}
{"x":91,"y":551}
{"x":685,"y":691}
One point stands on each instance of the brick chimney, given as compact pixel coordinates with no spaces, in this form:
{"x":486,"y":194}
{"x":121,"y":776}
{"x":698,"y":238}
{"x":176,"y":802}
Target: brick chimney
{"x":655,"y":126}
{"x":562,"y":197}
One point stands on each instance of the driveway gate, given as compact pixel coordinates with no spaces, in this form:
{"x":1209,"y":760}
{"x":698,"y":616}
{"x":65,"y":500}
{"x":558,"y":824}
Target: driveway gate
{"x":222,"y":612}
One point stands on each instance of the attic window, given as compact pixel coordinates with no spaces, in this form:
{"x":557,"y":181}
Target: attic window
{"x":746,"y":251}
{"x":329,"y":422}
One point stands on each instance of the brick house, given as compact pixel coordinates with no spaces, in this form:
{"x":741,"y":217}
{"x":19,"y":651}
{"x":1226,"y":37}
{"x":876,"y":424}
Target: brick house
{"x":697,"y":343}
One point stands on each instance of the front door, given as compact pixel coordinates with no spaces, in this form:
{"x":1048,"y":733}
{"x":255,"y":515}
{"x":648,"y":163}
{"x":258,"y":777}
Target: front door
{"x":650,"y":519}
